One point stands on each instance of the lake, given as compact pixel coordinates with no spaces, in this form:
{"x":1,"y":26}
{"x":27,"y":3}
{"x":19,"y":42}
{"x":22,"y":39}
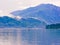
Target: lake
{"x":29,"y":36}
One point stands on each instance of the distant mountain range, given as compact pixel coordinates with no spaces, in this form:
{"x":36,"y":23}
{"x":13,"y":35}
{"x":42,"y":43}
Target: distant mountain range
{"x":23,"y":22}
{"x":48,"y":13}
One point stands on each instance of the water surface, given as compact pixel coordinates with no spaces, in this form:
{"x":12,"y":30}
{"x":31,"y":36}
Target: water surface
{"x":30,"y":36}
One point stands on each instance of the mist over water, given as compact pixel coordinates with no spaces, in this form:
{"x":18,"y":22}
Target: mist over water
{"x":29,"y":36}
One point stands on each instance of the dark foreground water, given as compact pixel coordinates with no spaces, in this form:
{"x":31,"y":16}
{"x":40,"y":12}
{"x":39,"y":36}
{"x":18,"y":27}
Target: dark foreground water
{"x":29,"y":36}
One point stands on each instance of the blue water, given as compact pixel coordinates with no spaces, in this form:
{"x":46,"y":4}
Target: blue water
{"x":30,"y":37}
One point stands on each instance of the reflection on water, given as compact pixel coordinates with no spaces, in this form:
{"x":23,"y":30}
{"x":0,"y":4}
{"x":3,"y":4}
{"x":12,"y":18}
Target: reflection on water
{"x":29,"y":37}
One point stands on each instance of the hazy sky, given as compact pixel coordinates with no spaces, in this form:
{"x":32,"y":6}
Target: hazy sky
{"x":7,"y":6}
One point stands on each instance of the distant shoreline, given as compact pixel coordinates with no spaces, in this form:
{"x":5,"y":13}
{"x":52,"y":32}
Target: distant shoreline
{"x":22,"y":28}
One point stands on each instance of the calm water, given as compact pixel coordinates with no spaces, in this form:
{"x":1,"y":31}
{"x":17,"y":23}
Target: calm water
{"x":29,"y":37}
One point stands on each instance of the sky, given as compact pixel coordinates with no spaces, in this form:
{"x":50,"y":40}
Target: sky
{"x":7,"y":6}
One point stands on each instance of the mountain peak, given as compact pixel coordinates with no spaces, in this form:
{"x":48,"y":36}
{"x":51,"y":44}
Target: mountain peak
{"x":46,"y":5}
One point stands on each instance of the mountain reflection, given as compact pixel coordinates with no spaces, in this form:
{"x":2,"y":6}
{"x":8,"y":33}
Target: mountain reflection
{"x":29,"y":36}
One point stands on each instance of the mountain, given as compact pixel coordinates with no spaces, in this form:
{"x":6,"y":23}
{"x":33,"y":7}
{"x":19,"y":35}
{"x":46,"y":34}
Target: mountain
{"x":31,"y":22}
{"x":23,"y":22}
{"x":53,"y":26}
{"x":48,"y":13}
{"x":8,"y":22}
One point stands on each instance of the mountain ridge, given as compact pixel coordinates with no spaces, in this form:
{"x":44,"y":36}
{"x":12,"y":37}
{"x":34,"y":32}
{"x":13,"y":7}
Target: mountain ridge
{"x":46,"y":12}
{"x":26,"y":23}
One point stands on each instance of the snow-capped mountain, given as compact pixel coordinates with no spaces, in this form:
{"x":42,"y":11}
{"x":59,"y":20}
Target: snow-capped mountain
{"x":46,"y":12}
